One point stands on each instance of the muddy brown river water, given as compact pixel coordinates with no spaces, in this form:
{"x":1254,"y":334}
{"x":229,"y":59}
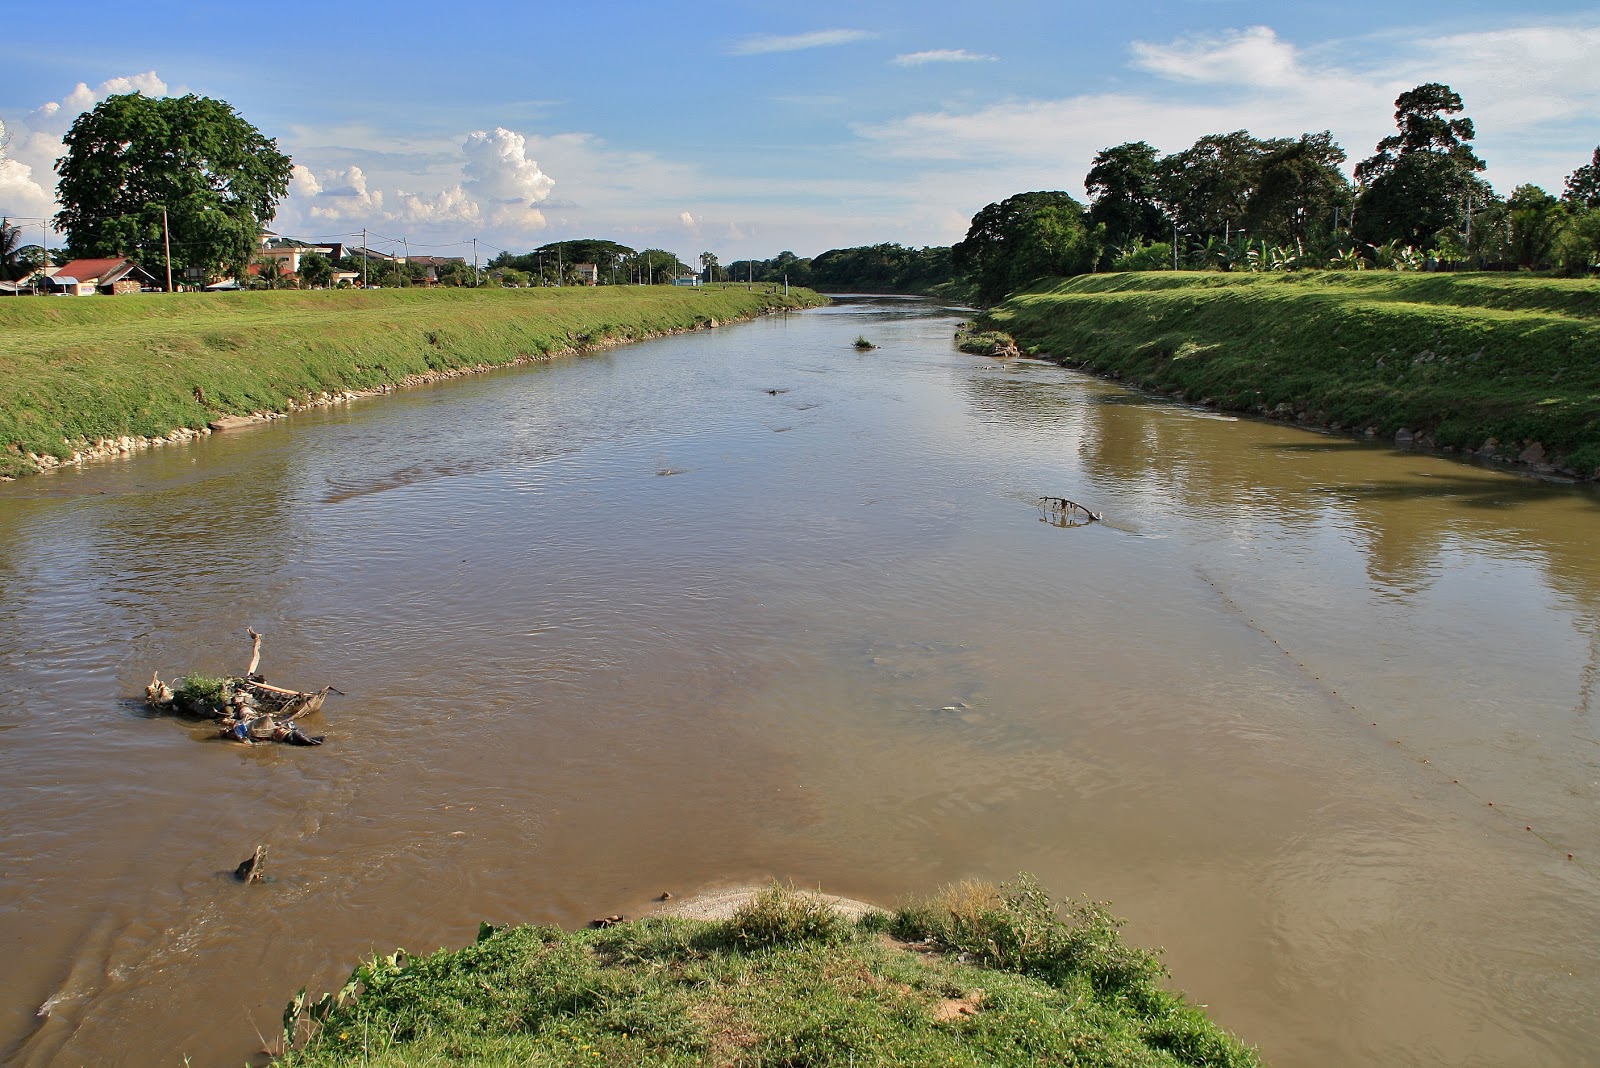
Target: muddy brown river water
{"x":632,"y":622}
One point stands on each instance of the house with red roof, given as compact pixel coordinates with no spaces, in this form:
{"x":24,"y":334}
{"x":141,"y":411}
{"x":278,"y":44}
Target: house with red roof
{"x":82,"y":278}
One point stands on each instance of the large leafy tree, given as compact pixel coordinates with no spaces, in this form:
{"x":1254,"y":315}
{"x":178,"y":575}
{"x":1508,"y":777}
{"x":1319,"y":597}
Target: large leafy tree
{"x":1024,"y":237}
{"x":1583,"y":184}
{"x":1423,"y":178}
{"x":218,"y":177}
{"x":1207,"y":188}
{"x":1299,"y":189}
{"x":1124,"y":193}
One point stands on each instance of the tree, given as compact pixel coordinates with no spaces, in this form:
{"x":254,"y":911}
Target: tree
{"x":1024,"y":237}
{"x":316,"y":270}
{"x":1207,"y":188}
{"x":708,"y":266}
{"x":1524,"y":229}
{"x":218,"y":178}
{"x":11,"y":267}
{"x":1299,"y":188}
{"x":270,"y":273}
{"x":1124,"y":194}
{"x":1583,"y":184}
{"x":1422,"y":179}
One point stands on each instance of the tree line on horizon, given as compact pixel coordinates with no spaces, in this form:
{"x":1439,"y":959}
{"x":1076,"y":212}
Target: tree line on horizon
{"x":1233,"y":201}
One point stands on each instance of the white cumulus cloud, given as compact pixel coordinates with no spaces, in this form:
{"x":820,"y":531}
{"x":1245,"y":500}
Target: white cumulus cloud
{"x":502,"y":180}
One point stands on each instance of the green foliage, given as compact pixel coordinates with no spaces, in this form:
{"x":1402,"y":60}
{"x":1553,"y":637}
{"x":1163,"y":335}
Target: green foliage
{"x":780,"y":915}
{"x":1143,"y":256}
{"x":216,"y":175}
{"x":681,"y":993}
{"x":11,"y":266}
{"x":1016,"y":927}
{"x":882,"y":268}
{"x":1583,"y":184}
{"x":1299,"y":189}
{"x":984,"y":342}
{"x":1206,"y":189}
{"x":1124,"y":193}
{"x":1458,"y":358}
{"x":1023,"y":238}
{"x":201,"y":695}
{"x":1421,"y":179}
{"x":316,"y":270}
{"x":1578,"y":245}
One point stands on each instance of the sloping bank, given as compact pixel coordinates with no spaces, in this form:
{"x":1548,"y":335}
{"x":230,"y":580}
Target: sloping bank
{"x":1501,"y":366}
{"x":89,"y":377}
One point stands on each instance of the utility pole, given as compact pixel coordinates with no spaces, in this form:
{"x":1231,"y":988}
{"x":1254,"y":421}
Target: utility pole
{"x":363,"y":257}
{"x":1174,"y":246}
{"x":166,"y":242}
{"x":474,"y":263}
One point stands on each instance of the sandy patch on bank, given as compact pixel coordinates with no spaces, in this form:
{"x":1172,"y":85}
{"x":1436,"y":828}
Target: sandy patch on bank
{"x":723,"y":903}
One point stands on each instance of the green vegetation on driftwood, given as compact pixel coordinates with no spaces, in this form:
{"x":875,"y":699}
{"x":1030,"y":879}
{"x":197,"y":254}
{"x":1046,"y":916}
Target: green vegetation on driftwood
{"x":84,"y":369}
{"x":978,"y":975}
{"x":1456,"y":359}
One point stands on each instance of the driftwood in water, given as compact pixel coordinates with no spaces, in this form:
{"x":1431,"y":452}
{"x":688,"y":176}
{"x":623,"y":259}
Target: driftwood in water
{"x":252,"y":868}
{"x":246,"y":707}
{"x":1062,"y":512}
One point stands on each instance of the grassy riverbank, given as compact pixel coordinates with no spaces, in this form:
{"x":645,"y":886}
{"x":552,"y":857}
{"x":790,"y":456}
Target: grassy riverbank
{"x":77,"y":371}
{"x":1456,"y":359}
{"x":978,"y":975}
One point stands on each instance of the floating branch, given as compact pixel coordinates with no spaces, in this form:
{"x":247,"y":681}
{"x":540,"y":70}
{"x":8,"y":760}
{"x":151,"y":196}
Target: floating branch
{"x":245,"y":707}
{"x":252,"y":868}
{"x":1065,"y":513}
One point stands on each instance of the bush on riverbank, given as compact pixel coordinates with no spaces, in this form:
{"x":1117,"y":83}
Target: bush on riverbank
{"x":1456,"y":359}
{"x":978,"y":975}
{"x":79,"y":370}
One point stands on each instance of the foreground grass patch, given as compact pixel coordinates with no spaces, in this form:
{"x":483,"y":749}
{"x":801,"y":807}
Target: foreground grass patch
{"x":86,"y":369}
{"x":980,"y":975}
{"x":1457,"y":359}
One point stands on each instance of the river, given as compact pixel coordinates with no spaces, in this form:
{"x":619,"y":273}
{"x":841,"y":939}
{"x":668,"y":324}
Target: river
{"x":1317,"y":715}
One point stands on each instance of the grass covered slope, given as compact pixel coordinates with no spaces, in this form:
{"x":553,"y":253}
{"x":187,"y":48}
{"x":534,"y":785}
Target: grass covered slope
{"x":980,"y":975}
{"x":1455,"y":358}
{"x":76,"y":370}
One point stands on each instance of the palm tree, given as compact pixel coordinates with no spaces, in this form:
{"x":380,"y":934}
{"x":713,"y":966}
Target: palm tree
{"x":271,"y":271}
{"x":10,"y":269}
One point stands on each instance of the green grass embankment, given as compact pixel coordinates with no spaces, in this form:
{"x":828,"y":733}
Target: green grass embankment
{"x":1457,"y":359}
{"x":74,"y":371}
{"x":979,"y":975}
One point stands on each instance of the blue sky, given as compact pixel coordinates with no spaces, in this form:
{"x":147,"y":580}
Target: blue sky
{"x":749,"y":129}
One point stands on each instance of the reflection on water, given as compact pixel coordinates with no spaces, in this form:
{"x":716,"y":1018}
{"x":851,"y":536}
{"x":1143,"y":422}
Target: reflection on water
{"x":1317,"y":715}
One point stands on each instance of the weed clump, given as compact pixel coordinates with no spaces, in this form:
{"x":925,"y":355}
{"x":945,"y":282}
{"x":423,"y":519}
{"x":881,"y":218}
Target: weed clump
{"x":781,"y":915}
{"x":1017,"y":927}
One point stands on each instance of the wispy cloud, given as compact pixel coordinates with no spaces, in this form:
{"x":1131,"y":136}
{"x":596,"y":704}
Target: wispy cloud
{"x":941,"y":55}
{"x":767,"y":43}
{"x":1253,"y":56}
